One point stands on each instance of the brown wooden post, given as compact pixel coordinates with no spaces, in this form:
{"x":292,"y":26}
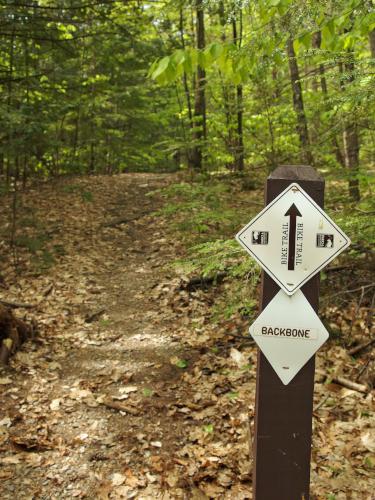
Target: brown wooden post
{"x":283,"y":413}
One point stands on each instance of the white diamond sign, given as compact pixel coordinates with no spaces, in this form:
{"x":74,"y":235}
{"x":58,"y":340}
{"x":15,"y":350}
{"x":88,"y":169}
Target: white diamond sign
{"x":288,"y":332}
{"x":292,"y":238}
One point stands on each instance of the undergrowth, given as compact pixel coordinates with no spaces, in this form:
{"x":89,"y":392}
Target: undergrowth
{"x":205,"y":219}
{"x":206,"y":216}
{"x":198,"y":209}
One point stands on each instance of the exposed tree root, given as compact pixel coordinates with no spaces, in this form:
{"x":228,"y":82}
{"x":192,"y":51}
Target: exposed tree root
{"x":13,"y":332}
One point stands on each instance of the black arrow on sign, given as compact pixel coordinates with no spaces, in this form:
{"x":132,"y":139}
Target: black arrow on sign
{"x":293,"y":213}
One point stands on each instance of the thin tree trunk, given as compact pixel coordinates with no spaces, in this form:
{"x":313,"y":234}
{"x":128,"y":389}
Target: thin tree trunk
{"x":302,"y":129}
{"x":350,"y":136}
{"x":177,"y":153}
{"x":239,"y":151}
{"x":27,"y":73}
{"x":316,"y":42}
{"x":185,"y":80}
{"x":9,"y":103}
{"x":200,"y":132}
{"x":14,"y":214}
{"x":228,"y":97}
{"x":187,"y":92}
{"x":76,"y":133}
{"x":92,"y":148}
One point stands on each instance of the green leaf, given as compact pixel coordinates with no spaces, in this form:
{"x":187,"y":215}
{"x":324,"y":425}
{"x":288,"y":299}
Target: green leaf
{"x":209,"y":428}
{"x":306,"y":40}
{"x":161,"y":67}
{"x":216,"y":49}
{"x":246,"y":367}
{"x":182,"y":363}
{"x":179,"y":57}
{"x":348,"y":42}
{"x":296,"y":45}
{"x":277,"y":57}
{"x":329,"y":37}
{"x":331,"y":26}
{"x":147,"y":392}
{"x":232,"y":395}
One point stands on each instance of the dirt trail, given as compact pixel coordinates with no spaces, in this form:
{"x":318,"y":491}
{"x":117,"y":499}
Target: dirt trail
{"x":87,"y":417}
{"x":130,"y":390}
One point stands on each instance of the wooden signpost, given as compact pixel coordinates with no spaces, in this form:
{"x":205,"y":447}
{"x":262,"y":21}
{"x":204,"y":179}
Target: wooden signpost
{"x":292,"y":247}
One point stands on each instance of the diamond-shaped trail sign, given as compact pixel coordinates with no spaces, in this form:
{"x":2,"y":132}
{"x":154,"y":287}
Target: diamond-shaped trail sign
{"x":292,"y":238}
{"x":288,"y":332}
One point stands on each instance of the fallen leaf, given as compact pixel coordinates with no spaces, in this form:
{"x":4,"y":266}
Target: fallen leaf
{"x":156,"y":444}
{"x":6,"y":422}
{"x":128,"y":389}
{"x":10,"y":460}
{"x":238,"y":358}
{"x":368,"y":440}
{"x":55,"y":404}
{"x":118,"y":479}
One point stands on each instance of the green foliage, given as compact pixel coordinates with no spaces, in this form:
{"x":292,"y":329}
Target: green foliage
{"x":147,"y":392}
{"x":71,"y":188}
{"x":182,"y":363}
{"x":213,"y":257}
{"x":74,"y":93}
{"x":208,"y":201}
{"x":32,"y":243}
{"x":198,"y":208}
{"x":258,"y":62}
{"x":356,"y":221}
{"x":239,"y":298}
{"x":42,"y":261}
{"x":208,"y":428}
{"x":59,"y":250}
{"x":87,"y":196}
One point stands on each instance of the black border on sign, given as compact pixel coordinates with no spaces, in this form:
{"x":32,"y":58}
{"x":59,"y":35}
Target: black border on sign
{"x":266,"y":208}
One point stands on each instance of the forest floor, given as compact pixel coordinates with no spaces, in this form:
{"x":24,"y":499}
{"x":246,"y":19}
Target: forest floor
{"x":128,"y":390}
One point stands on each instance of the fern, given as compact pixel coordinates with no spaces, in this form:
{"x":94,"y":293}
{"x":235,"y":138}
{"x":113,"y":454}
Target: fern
{"x":214,"y":257}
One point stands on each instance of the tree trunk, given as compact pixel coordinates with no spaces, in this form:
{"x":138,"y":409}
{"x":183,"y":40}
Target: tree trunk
{"x":302,"y":129}
{"x":351,"y":148}
{"x":316,"y":42}
{"x":200,"y":132}
{"x":228,"y":97}
{"x":9,"y":105}
{"x":186,"y":90}
{"x":239,"y":148}
{"x":350,"y":136}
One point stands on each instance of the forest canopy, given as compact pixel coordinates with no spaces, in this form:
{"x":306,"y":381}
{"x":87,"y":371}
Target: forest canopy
{"x":109,"y":86}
